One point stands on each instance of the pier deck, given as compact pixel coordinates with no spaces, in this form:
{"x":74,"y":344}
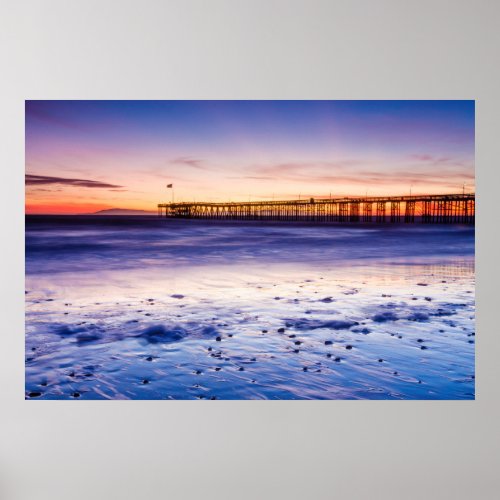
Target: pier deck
{"x":428,"y":209}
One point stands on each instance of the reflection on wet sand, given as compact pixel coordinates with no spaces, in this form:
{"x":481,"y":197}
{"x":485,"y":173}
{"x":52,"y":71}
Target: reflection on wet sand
{"x":307,"y":325}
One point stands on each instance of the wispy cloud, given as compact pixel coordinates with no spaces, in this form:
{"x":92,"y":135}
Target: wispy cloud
{"x":308,"y":168}
{"x":44,"y":112}
{"x":437,"y":160}
{"x":189,"y":161}
{"x":437,"y":171}
{"x":44,"y":190}
{"x":37,"y":180}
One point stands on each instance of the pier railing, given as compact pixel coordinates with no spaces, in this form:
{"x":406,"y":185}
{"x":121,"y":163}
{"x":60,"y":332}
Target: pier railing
{"x":428,"y":209}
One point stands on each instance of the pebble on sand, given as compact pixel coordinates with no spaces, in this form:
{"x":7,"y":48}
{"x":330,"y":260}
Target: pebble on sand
{"x":281,"y":330}
{"x":328,"y":342}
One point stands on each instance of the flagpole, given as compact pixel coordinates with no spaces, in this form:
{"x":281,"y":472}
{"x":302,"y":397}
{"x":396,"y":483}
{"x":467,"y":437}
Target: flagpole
{"x":171,"y":186}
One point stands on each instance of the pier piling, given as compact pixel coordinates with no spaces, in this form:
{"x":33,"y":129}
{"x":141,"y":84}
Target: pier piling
{"x":427,"y":209}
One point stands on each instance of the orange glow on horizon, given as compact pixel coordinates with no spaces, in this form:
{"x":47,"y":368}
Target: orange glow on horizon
{"x":64,"y":208}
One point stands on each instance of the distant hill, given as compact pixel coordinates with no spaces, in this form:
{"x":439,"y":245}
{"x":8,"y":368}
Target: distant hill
{"x":123,"y":211}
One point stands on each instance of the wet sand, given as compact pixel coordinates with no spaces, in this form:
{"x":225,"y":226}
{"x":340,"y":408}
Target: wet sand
{"x":229,"y":325}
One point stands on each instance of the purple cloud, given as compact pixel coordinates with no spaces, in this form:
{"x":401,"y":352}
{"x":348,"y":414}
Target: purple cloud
{"x":189,"y":161}
{"x":38,"y":180}
{"x":438,"y":160}
{"x":434,"y":171}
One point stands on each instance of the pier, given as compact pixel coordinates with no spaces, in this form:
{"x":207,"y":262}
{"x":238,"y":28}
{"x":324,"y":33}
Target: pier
{"x":426,"y":209}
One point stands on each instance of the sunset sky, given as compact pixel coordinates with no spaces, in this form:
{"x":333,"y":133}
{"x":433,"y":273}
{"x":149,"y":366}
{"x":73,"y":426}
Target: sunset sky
{"x":84,"y":156}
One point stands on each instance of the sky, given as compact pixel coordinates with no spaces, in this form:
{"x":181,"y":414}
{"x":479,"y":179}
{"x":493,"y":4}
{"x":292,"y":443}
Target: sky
{"x":85,"y":156}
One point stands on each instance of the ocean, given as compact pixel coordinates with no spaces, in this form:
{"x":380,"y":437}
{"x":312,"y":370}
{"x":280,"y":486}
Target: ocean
{"x":145,"y":308}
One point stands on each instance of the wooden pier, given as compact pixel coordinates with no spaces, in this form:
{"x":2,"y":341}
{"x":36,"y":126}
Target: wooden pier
{"x":427,"y":209}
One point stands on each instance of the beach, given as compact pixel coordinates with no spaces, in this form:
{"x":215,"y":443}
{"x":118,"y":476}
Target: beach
{"x":148,"y":308}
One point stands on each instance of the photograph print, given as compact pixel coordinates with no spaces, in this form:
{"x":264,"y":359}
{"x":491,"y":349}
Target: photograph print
{"x":249,"y":250}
